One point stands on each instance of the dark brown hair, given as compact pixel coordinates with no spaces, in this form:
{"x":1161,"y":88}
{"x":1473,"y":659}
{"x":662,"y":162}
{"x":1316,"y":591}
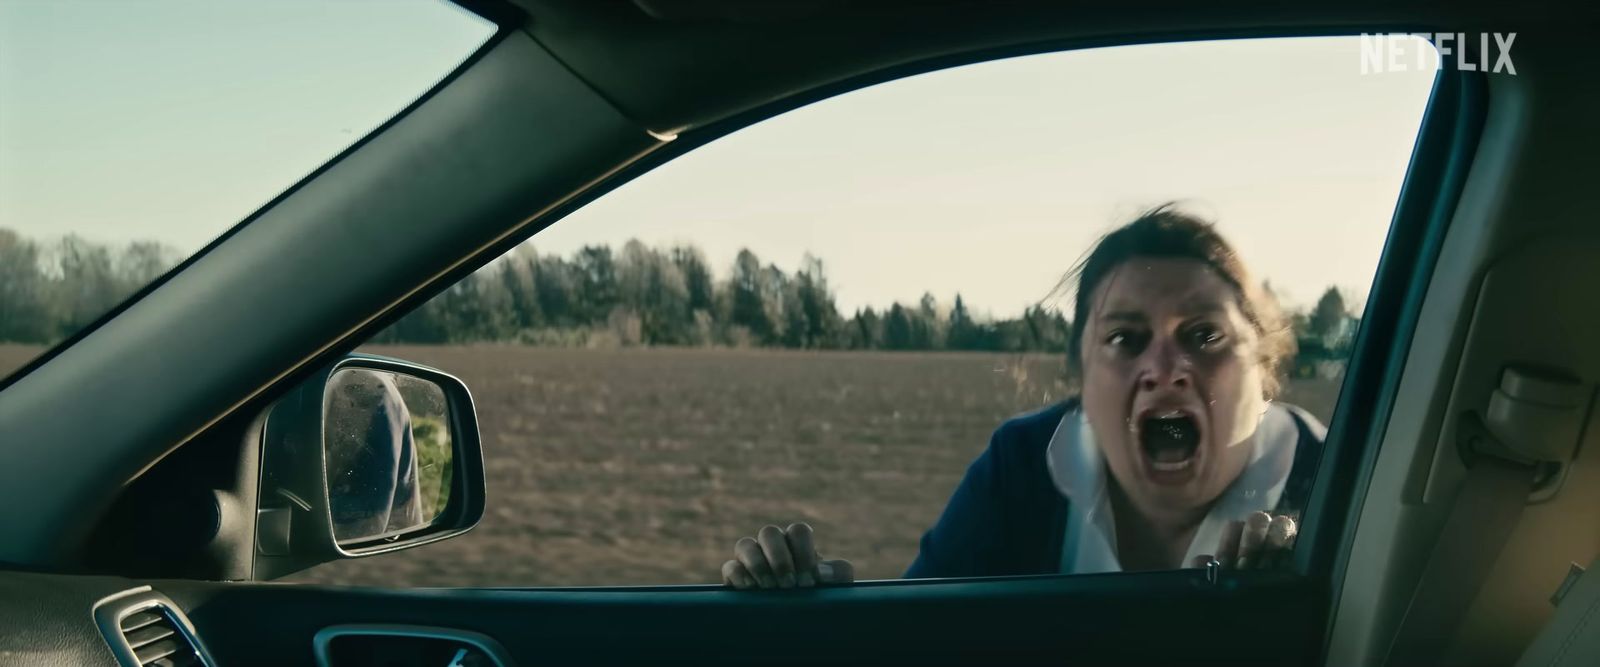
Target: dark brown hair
{"x":1165,"y":232}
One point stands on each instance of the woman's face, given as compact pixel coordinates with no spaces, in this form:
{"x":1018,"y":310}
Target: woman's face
{"x":1172,"y":383}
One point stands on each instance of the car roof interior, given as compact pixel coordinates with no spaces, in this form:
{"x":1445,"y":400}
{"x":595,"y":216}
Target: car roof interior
{"x":574,"y":97}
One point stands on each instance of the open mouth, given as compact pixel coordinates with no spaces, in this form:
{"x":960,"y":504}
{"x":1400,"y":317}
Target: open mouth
{"x":1170,"y":439}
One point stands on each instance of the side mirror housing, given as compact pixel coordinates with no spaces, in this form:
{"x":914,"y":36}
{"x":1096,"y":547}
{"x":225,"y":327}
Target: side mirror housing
{"x":368,"y":456}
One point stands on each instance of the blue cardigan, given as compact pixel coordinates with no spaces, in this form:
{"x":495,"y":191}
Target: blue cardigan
{"x":1007,"y":517}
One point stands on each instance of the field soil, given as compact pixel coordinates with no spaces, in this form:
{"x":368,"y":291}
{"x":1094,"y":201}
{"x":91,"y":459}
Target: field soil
{"x":644,"y":466}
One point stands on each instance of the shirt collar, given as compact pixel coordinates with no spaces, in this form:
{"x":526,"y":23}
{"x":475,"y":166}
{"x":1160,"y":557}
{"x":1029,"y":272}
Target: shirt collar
{"x":1077,"y":468}
{"x":1078,"y":471}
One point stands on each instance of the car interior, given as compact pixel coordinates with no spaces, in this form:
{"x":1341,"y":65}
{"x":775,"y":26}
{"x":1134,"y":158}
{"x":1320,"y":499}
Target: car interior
{"x":1457,"y":505}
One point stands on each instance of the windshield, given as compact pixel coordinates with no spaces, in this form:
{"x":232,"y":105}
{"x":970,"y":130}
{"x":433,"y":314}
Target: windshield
{"x":133,"y":134}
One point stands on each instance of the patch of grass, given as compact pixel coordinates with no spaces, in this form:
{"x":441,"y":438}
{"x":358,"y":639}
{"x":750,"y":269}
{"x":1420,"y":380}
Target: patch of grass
{"x":435,"y":463}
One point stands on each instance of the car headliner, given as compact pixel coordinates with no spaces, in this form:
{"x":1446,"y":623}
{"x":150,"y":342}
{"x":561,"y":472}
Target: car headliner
{"x":676,"y":64}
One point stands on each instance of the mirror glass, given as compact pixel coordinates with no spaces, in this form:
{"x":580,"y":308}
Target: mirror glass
{"x":389,"y":453}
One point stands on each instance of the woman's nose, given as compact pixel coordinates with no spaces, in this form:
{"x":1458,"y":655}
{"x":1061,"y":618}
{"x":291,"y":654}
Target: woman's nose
{"x":1164,"y":365}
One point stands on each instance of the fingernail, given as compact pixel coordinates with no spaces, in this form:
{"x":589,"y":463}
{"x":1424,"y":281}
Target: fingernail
{"x":806,"y":580}
{"x":788,"y":580}
{"x":825,"y":571}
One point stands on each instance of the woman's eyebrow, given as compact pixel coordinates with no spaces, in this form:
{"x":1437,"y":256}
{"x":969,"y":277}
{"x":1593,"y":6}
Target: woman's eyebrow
{"x":1207,"y":307}
{"x":1195,"y":309}
{"x":1124,"y":316}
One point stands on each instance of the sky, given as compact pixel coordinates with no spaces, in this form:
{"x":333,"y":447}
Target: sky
{"x":173,"y":120}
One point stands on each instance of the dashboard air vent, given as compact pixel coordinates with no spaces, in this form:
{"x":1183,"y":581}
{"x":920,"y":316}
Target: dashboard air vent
{"x":157,"y":640}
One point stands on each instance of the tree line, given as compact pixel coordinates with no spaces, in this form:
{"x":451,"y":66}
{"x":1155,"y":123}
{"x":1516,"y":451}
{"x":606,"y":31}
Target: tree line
{"x":638,"y":295}
{"x":49,"y":291}
{"x":641,"y":295}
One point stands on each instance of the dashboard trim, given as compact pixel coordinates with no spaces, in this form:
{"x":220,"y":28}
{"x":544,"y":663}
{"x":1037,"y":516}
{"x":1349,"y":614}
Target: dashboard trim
{"x":482,"y":642}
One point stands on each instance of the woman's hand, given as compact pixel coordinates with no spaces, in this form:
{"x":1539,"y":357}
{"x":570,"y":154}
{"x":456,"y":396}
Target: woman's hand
{"x":782,"y":558}
{"x":1260,"y":542}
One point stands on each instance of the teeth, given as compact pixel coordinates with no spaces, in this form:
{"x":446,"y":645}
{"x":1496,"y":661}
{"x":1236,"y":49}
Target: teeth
{"x":1170,"y":414}
{"x":1174,"y":466}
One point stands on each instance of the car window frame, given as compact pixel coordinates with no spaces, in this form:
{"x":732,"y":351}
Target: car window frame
{"x":1442,"y":151}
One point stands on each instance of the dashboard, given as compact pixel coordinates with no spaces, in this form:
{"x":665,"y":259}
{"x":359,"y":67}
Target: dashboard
{"x":53,"y":619}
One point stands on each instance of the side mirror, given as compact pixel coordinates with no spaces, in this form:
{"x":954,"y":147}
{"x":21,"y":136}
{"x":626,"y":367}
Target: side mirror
{"x":369,"y":456}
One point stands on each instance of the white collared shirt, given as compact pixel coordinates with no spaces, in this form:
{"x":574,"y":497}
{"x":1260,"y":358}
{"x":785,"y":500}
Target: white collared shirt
{"x":1078,"y":469}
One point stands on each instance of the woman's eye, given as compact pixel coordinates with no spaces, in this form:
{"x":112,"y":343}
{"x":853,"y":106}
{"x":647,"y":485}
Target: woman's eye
{"x":1206,"y":337}
{"x":1124,"y":340}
